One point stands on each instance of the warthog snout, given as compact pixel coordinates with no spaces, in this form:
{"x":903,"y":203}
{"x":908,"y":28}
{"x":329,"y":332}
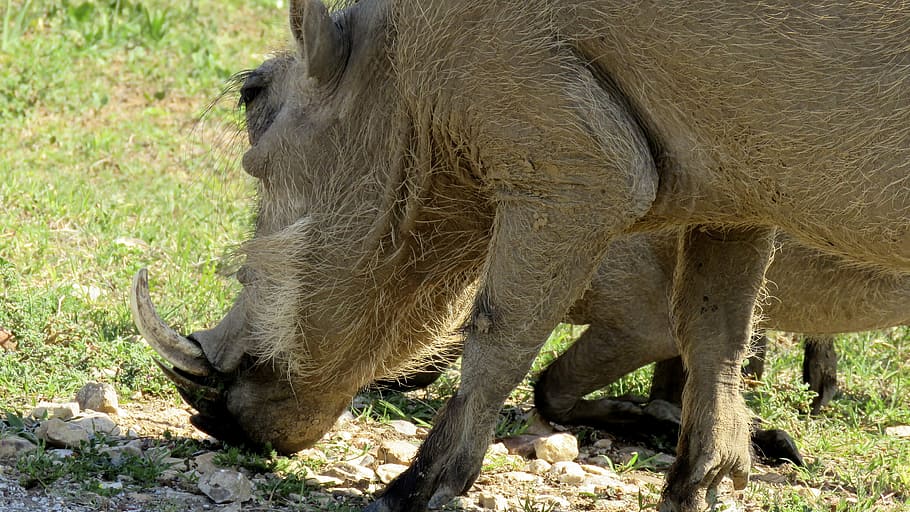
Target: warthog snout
{"x":239,"y":401}
{"x":185,"y":364}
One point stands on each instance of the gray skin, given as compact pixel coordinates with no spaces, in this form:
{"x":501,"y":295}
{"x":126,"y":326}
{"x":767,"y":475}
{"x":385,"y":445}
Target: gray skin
{"x":409,"y":150}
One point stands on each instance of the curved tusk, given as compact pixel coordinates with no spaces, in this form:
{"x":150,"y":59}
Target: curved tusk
{"x":186,"y":385}
{"x":176,"y":349}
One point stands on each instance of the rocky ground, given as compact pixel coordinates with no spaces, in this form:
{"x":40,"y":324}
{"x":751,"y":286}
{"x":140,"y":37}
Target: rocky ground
{"x":93,"y":454}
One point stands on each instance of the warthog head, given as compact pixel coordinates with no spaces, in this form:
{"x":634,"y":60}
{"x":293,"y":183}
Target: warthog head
{"x":348,"y":275}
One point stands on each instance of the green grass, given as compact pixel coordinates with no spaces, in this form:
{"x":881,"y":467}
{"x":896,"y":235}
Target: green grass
{"x":107,"y":165}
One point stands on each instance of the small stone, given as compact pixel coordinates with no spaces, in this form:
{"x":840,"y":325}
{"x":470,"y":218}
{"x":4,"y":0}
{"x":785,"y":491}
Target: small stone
{"x":351,"y":473}
{"x":347,"y":491}
{"x":520,"y":476}
{"x":98,"y":396}
{"x":312,"y":454}
{"x":324,"y":481}
{"x":111,"y":485}
{"x":537,"y":425}
{"x":568,"y":472}
{"x":497,"y":450}
{"x":61,"y":453}
{"x":600,"y":460}
{"x":538,"y":467}
{"x":591,"y":469}
{"x":557,"y":448}
{"x":604,"y":484}
{"x":365,"y":461}
{"x":611,"y":505}
{"x":49,"y":410}
{"x":491,"y":501}
{"x":225,"y":486}
{"x":169,"y":475}
{"x":461,"y":503}
{"x":323,"y":501}
{"x":550,"y":502}
{"x":898,"y":431}
{"x":97,"y":423}
{"x":205,"y":463}
{"x":232,"y":507}
{"x":404,"y":427}
{"x":388,"y":472}
{"x":11,"y":447}
{"x":602,"y":444}
{"x":345,"y":418}
{"x":396,"y":452}
{"x":638,"y":453}
{"x":119,"y":453}
{"x":61,"y":434}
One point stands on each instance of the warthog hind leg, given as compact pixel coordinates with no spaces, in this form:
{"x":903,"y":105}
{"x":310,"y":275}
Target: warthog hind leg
{"x":820,"y":370}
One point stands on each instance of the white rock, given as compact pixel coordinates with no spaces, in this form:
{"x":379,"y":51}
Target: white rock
{"x":351,"y":473}
{"x":226,"y":486}
{"x":111,"y":485}
{"x":61,"y":434}
{"x":568,"y":472}
{"x":396,"y":452}
{"x":597,"y":470}
{"x":61,"y":411}
{"x":61,"y":453}
{"x":388,"y":472}
{"x":119,"y":453}
{"x":497,"y":449}
{"x":205,"y":463}
{"x":604,"y":483}
{"x":549,"y":502}
{"x":324,"y":481}
{"x":98,"y":396}
{"x":491,"y":501}
{"x":898,"y":431}
{"x":97,"y":423}
{"x":404,"y":427}
{"x":520,"y":476}
{"x":538,"y":466}
{"x":556,"y":448}
{"x":346,"y":417}
{"x":11,"y":447}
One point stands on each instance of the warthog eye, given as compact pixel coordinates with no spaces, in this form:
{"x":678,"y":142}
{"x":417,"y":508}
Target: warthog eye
{"x":252,"y":87}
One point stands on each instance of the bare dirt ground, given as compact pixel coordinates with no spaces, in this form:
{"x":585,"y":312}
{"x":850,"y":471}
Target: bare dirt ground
{"x":618,"y":475}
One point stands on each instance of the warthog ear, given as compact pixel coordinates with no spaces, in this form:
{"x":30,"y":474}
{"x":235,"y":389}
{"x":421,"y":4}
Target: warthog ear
{"x":319,"y":39}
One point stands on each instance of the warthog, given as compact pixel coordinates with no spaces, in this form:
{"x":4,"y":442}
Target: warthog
{"x":628,"y":311}
{"x":407,"y":150}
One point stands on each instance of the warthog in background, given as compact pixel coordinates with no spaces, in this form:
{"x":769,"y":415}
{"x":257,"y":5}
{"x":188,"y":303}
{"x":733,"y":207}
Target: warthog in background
{"x":628,"y":311}
{"x":407,"y":150}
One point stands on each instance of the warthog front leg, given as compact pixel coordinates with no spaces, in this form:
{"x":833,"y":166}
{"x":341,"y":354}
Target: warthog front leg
{"x":510,"y":322}
{"x":557,"y":207}
{"x":718,"y":276}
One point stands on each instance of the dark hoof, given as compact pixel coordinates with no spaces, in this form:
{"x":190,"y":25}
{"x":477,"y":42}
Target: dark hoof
{"x":777,"y":447}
